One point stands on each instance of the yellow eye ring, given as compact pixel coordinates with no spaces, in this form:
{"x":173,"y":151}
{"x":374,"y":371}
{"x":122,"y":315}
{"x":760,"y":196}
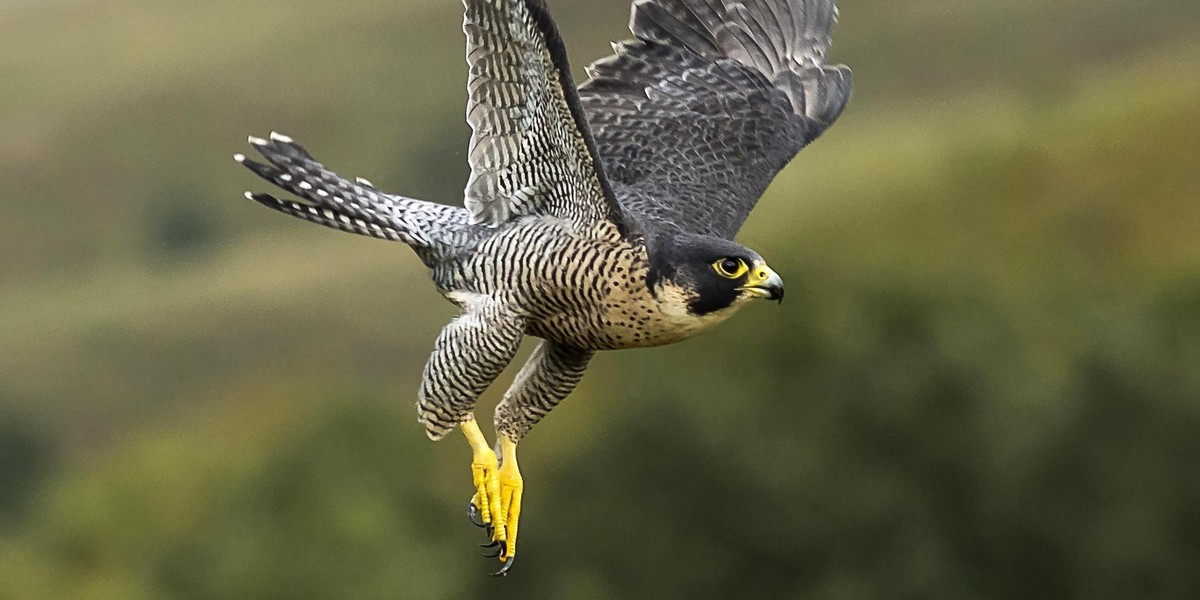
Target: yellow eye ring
{"x":730,"y":268}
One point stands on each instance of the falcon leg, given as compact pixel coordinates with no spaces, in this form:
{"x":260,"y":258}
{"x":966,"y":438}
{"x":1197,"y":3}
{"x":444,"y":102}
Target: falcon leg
{"x":498,"y":486}
{"x":484,"y":473}
{"x":511,"y":487}
{"x":548,"y":377}
{"x":468,"y":355}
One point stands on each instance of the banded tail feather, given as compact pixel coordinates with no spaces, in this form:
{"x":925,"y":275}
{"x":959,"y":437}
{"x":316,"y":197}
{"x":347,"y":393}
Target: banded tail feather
{"x":329,"y":218}
{"x":350,"y":206}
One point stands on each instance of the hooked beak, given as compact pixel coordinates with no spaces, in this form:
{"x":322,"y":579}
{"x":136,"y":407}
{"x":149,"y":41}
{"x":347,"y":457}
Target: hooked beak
{"x":764,"y":283}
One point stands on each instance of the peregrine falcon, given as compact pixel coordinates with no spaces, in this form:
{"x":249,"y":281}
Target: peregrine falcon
{"x":596,"y":218}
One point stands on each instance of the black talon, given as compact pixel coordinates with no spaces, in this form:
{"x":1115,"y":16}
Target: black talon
{"x":489,"y":530}
{"x":491,"y":545}
{"x":473,"y":514}
{"x":498,"y":551}
{"x":504,"y":570}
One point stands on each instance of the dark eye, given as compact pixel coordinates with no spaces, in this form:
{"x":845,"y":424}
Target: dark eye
{"x":730,"y":268}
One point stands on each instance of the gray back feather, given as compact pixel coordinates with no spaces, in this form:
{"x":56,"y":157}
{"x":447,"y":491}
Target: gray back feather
{"x":694,"y":118}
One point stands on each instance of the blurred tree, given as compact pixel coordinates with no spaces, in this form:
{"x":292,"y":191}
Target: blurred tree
{"x":182,"y":225}
{"x":27,"y":456}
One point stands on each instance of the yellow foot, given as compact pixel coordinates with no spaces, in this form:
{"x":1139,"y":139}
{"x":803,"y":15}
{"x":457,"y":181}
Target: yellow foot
{"x":484,"y":468}
{"x":496,"y":504}
{"x":511,"y":488}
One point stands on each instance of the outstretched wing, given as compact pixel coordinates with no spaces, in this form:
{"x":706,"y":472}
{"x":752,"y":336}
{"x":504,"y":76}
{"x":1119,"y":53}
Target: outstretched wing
{"x":530,"y":152}
{"x":696,"y":116}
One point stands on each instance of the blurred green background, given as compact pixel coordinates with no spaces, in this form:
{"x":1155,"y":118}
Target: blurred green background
{"x":984,"y":383}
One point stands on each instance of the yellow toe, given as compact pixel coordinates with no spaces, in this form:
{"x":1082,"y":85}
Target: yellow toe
{"x":511,"y":488}
{"x":484,"y":473}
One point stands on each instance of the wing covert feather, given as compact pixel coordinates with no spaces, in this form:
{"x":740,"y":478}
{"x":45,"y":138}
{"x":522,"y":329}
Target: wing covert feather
{"x":695,"y":116}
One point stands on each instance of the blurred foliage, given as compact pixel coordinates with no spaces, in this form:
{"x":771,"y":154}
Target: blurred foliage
{"x":984,"y":383}
{"x":26,"y":457}
{"x":180,"y":226}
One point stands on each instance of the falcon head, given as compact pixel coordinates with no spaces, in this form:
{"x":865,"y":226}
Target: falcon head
{"x":711,"y":273}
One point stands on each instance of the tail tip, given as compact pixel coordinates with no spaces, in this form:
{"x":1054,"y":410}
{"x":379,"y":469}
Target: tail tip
{"x":279,"y":137}
{"x":240,"y":158}
{"x":256,"y":141}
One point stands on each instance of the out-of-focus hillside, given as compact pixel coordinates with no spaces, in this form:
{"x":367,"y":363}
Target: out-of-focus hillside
{"x":983,"y":384}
